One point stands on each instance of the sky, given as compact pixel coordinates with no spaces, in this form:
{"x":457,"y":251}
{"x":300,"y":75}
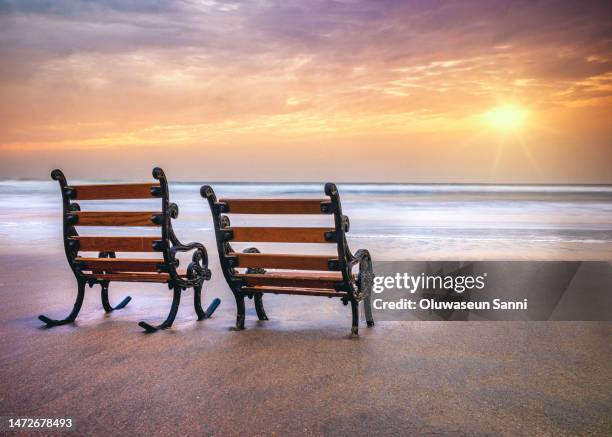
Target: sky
{"x":346,"y":91}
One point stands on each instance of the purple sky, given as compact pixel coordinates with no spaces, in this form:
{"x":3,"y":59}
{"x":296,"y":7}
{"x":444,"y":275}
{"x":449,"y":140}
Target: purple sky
{"x":423,"y":91}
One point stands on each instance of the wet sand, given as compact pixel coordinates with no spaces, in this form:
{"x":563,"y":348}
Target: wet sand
{"x":298,"y":373}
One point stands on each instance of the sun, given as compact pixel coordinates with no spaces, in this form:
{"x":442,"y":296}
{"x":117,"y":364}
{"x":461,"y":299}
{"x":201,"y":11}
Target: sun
{"x":506,"y":118}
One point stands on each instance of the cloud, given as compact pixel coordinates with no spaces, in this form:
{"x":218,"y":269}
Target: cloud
{"x":128,"y":72}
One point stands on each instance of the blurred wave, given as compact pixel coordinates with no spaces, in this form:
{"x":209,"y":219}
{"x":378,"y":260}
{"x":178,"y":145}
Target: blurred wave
{"x":402,"y":221}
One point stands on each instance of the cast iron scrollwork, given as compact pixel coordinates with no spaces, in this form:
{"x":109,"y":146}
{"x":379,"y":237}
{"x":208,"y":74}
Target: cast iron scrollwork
{"x":365,"y":277}
{"x":197,"y":270}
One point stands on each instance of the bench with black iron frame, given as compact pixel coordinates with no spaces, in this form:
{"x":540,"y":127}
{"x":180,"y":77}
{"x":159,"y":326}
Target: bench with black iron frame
{"x":107,"y":267}
{"x":295,"y":274}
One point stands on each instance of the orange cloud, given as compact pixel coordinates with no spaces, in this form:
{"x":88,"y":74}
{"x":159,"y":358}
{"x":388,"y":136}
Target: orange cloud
{"x":395,"y":82}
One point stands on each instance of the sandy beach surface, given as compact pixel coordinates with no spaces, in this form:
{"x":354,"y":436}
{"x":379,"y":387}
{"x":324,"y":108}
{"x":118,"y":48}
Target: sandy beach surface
{"x":297,"y":373}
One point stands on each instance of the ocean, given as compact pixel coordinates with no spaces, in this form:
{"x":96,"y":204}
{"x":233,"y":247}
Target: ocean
{"x":393,"y":221}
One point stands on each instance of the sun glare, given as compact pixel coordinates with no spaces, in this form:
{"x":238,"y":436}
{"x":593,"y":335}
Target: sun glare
{"x":506,"y":118}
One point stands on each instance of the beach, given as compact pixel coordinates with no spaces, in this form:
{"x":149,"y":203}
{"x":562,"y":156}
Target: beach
{"x":299,"y":372}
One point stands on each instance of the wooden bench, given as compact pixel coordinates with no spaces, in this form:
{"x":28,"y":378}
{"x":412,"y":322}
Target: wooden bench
{"x":107,"y":266}
{"x":297,"y":274}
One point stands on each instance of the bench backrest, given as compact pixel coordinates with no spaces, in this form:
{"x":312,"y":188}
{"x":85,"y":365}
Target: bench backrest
{"x":226,"y":234}
{"x":107,"y":246}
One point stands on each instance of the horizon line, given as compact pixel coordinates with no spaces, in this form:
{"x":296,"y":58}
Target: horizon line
{"x":511,"y":184}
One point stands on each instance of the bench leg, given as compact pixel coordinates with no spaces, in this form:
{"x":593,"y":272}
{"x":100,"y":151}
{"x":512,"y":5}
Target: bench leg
{"x":367,"y":306}
{"x":261,"y":313}
{"x":197,"y":303}
{"x":240,"y":311}
{"x":355,"y":311}
{"x":73,"y":314}
{"x":105,"y":302}
{"x":170,"y":319}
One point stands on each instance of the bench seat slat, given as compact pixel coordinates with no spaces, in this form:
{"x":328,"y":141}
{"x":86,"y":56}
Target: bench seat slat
{"x":116,"y":244}
{"x":296,"y":280}
{"x":113,"y":191}
{"x":283,"y":261}
{"x":296,"y":291}
{"x":280,"y":234}
{"x":120,"y":264}
{"x":115,"y":218}
{"x":133,"y":277}
{"x":136,"y":276}
{"x":274,"y":206}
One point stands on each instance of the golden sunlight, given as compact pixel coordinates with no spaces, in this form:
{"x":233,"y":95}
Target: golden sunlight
{"x":506,"y":118}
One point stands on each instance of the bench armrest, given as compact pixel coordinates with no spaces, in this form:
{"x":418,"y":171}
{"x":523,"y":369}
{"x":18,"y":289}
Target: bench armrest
{"x":365,"y":277}
{"x":359,"y":257}
{"x":197,"y":270}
